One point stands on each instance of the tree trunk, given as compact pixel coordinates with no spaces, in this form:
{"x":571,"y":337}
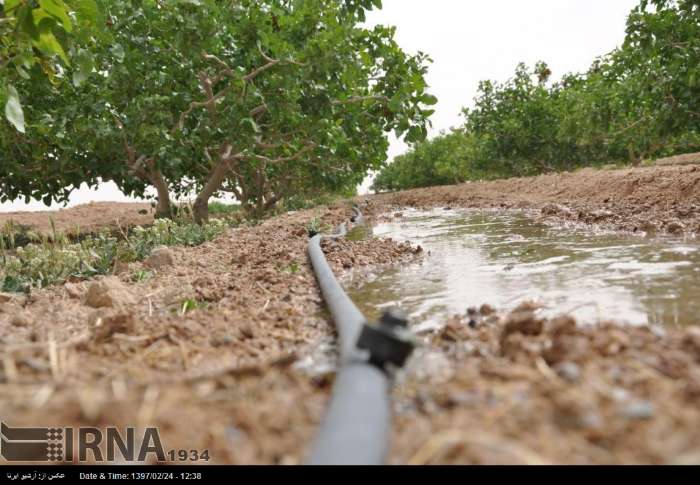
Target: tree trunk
{"x":164,"y":208}
{"x":633,"y":158}
{"x":146,"y":170}
{"x":200,"y":209}
{"x":260,"y":207}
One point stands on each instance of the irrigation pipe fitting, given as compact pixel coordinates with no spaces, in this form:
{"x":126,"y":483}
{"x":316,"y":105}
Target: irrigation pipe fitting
{"x":356,"y":427}
{"x":388,"y":343}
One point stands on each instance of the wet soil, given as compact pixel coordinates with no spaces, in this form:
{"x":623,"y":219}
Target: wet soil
{"x":645,"y":200}
{"x":521,"y":389}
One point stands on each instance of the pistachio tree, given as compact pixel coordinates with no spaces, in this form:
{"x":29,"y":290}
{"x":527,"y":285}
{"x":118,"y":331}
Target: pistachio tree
{"x":640,"y":101}
{"x":658,"y":68}
{"x":265,"y":99}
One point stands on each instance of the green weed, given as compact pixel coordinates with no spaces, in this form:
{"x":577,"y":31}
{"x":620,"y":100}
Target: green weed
{"x":47,"y":262}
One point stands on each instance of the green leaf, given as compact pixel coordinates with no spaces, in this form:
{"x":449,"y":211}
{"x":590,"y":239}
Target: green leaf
{"x":414,"y":134}
{"x":83,"y":67}
{"x":58,"y":10}
{"x":48,"y":43}
{"x":396,"y":103}
{"x":11,"y":4}
{"x":428,"y":99}
{"x":87,"y":9}
{"x":13,"y":109}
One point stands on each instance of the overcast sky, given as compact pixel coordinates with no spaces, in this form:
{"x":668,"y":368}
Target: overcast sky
{"x":471,"y":40}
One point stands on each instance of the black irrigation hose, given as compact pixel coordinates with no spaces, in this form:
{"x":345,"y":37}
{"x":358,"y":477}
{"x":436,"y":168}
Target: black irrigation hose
{"x":356,"y":428}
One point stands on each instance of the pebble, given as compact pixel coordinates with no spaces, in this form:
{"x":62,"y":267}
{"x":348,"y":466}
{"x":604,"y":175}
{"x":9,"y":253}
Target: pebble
{"x":235,"y":435}
{"x":568,"y":371}
{"x":222,"y":341}
{"x":473,"y":314}
{"x":638,"y":410}
{"x":620,"y":395}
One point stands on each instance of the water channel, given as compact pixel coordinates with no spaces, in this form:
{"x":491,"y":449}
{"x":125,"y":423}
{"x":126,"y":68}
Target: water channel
{"x":504,"y":258}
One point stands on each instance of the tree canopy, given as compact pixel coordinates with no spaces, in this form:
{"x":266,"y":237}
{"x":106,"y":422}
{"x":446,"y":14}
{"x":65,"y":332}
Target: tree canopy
{"x":264,"y":99}
{"x":43,"y":37}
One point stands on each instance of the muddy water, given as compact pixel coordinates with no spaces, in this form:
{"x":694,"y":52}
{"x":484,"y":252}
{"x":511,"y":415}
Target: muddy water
{"x":504,"y":258}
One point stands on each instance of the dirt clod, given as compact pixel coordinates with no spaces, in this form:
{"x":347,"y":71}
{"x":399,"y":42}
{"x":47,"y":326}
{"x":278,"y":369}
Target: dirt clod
{"x":486,"y":310}
{"x":108,"y":292}
{"x":21,"y":319}
{"x":566,"y":347}
{"x":161,"y":257}
{"x":611,"y":343}
{"x":562,"y":325}
{"x":73,"y":290}
{"x":246,"y":330}
{"x":523,"y":321}
{"x":105,"y":323}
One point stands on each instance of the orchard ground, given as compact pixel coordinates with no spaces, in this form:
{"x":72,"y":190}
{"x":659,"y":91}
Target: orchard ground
{"x":219,"y":345}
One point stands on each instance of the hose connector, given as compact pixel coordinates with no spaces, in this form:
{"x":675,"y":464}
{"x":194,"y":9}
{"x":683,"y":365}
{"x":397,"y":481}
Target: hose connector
{"x":388,"y":342}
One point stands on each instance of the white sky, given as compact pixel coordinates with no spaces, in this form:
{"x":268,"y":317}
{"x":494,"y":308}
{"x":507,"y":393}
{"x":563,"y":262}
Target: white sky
{"x":471,"y":40}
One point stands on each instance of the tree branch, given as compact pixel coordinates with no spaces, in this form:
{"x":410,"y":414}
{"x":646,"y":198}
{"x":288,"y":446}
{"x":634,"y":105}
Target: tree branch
{"x":199,"y":104}
{"x":256,"y":72}
{"x":360,"y":99}
{"x":208,"y":83}
{"x":296,"y":156}
{"x":258,"y":111}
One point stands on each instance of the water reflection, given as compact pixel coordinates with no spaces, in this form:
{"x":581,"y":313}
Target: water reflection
{"x":503,"y":258}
